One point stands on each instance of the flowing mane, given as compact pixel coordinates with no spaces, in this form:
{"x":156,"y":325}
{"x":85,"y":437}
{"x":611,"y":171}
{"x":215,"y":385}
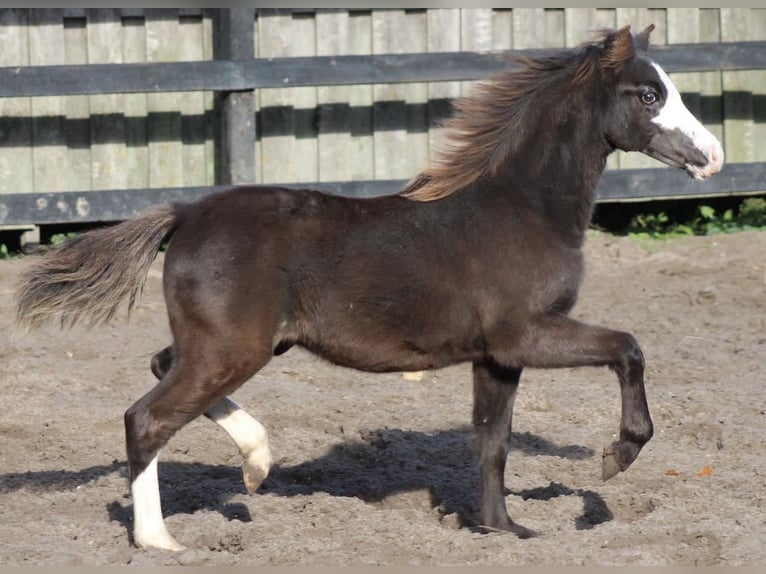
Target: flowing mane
{"x":490,"y":125}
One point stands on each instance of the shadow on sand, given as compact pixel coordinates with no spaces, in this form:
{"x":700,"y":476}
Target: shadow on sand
{"x":381,"y":463}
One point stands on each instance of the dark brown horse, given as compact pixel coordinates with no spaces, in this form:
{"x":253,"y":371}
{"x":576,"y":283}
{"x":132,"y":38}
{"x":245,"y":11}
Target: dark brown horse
{"x":479,"y":259}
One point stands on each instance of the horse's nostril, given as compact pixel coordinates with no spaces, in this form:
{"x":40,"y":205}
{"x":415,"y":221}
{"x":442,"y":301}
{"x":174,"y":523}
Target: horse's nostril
{"x":701,"y":158}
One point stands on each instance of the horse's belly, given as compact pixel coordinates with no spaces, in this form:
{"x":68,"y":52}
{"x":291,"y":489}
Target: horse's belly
{"x":391,"y":353}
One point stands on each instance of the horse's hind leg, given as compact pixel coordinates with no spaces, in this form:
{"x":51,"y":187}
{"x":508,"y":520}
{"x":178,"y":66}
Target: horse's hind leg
{"x":193,"y":384}
{"x":248,"y":434}
{"x":494,"y":390}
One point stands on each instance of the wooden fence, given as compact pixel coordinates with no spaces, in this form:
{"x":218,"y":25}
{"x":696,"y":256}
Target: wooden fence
{"x":106,"y":111}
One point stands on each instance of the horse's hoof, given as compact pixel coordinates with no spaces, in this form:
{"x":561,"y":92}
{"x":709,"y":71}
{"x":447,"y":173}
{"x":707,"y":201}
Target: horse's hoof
{"x":610,"y":463}
{"x":254,"y":473}
{"x":161,"y":540}
{"x":174,"y":546}
{"x":618,"y":456}
{"x":509,"y":526}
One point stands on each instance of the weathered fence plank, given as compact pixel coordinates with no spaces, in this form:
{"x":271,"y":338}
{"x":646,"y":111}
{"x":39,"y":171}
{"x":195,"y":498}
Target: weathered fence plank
{"x":416,"y":151}
{"x":361,"y":99}
{"x":399,"y":119}
{"x":711,"y":101}
{"x":49,"y":152}
{"x":476,"y":35}
{"x":555,"y":27}
{"x":78,"y":112}
{"x":107,"y":121}
{"x":304,"y":102}
{"x":444,"y":35}
{"x":209,"y":99}
{"x":528,"y":28}
{"x":579,"y":23}
{"x":277,"y":106}
{"x":333,"y":107}
{"x":758,"y":30}
{"x":16,"y":167}
{"x":738,"y":102}
{"x":389,"y":132}
{"x":502,"y":28}
{"x":164,"y":118}
{"x":191,"y":47}
{"x":744,"y":101}
{"x":136,"y":107}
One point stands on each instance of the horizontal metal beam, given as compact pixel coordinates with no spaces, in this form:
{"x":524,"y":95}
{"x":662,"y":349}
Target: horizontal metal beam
{"x":242,"y":75}
{"x":118,"y":205}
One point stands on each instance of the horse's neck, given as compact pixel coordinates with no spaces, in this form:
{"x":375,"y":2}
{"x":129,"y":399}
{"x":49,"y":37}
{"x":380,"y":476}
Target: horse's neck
{"x":558,"y":180}
{"x":573,"y":194}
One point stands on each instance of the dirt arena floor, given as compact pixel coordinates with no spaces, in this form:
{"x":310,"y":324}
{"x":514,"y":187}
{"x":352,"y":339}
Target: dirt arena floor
{"x":378,"y":469}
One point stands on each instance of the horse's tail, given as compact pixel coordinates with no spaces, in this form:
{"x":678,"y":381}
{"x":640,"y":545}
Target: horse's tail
{"x":88,"y":276}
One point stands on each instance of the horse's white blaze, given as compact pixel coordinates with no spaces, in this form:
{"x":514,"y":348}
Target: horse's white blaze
{"x":149,"y":528}
{"x":250,"y":437}
{"x":675,"y":115}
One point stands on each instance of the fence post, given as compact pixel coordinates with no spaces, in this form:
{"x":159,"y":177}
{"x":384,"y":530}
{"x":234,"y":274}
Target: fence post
{"x":234,"y":39}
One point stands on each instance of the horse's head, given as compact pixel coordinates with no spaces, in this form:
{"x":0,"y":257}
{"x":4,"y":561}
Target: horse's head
{"x":646,"y":112}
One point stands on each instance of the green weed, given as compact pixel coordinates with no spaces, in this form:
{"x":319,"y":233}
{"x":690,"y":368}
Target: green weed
{"x":751,"y":214}
{"x":61,"y":237}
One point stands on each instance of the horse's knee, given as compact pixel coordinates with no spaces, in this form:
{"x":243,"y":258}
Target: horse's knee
{"x":633,"y":351}
{"x":629,"y":356}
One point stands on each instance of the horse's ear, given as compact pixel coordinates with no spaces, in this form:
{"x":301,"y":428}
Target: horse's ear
{"x":618,"y":49}
{"x":642,"y":40}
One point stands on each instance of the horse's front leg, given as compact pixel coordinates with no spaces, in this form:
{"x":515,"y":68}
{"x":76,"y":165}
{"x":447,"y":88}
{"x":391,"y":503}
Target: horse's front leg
{"x":494,"y":391}
{"x":558,"y":341}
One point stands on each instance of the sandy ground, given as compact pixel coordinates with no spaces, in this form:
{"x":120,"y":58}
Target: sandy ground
{"x":377,"y":469}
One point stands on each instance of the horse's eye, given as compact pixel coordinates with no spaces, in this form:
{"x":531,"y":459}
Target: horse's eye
{"x":649,"y":98}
